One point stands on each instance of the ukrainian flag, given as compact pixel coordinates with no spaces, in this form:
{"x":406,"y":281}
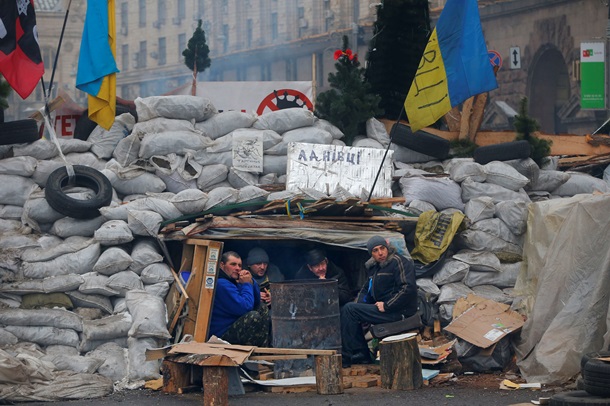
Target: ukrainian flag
{"x":96,"y":63}
{"x":454,"y":66}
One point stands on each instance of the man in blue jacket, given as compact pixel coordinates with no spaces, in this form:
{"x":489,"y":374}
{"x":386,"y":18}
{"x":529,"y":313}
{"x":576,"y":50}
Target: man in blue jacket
{"x":389,"y":294}
{"x":237,"y":314}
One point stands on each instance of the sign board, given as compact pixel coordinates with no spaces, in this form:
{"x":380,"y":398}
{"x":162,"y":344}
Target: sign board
{"x":248,"y":150}
{"x":592,"y":75}
{"x":325,"y":167}
{"x":495,"y":58}
{"x":254,"y":97}
{"x":515,"y":58}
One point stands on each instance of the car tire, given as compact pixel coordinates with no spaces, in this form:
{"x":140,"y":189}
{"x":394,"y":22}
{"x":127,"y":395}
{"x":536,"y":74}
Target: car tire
{"x":579,"y":397}
{"x":596,"y":377}
{"x":19,"y":132}
{"x":590,"y":355}
{"x":84,"y":125}
{"x":505,"y":151}
{"x":420,"y":141}
{"x":84,"y":176}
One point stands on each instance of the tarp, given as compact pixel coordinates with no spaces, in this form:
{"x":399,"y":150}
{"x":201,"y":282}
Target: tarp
{"x":567,"y":278}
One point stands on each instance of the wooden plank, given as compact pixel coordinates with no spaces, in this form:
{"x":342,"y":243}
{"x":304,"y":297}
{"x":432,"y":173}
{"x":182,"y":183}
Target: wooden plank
{"x":328,"y":374}
{"x":465,"y":120}
{"x":453,"y":119}
{"x":215,"y":386}
{"x":478,"y":111}
{"x":276,"y":357}
{"x":175,"y":376}
{"x":290,"y":389}
{"x":292,"y":351}
{"x":193,"y":287}
{"x":209,"y":270}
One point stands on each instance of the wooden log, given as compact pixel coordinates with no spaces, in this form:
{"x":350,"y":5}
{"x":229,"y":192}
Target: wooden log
{"x":175,"y":376}
{"x":400,"y":364}
{"x":465,"y":119}
{"x":215,"y":386}
{"x":453,"y":118}
{"x":328,"y":374}
{"x":478,"y":111}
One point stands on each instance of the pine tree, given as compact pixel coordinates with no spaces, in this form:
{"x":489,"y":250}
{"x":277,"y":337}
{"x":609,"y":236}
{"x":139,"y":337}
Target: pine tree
{"x":525,"y":127}
{"x":399,"y":38}
{"x":196,"y":55}
{"x":350,"y":102}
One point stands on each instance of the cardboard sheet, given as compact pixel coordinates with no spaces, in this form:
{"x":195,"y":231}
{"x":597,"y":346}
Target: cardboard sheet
{"x":237,"y":353}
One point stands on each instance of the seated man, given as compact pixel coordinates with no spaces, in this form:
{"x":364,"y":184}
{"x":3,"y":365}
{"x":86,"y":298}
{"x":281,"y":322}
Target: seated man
{"x":263,"y":272}
{"x":237,"y":314}
{"x":317,"y":266}
{"x":389,"y":295}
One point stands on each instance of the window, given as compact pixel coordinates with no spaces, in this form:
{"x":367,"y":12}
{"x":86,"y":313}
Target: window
{"x":142,"y":13}
{"x":274,"y":32}
{"x":249,"y":32}
{"x":181,"y":45}
{"x":142,"y":55}
{"x":161,"y":12}
{"x":124,"y":57}
{"x":225,"y":38}
{"x":162,"y":51}
{"x":181,"y":9}
{"x":124,"y":15}
{"x":200,"y":8}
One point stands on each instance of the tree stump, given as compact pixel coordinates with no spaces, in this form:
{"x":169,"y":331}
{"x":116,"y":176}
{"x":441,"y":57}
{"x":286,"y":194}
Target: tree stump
{"x":215,"y":386}
{"x":175,"y":376}
{"x":400,"y":364}
{"x":328,"y":374}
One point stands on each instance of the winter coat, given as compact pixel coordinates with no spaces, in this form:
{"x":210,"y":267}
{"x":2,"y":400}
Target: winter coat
{"x":332,"y":272}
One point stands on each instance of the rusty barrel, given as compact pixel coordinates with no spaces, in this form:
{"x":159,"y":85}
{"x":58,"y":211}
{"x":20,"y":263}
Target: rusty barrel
{"x":305,"y":314}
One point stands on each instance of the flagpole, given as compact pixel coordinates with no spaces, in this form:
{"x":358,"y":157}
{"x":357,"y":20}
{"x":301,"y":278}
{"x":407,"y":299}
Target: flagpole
{"x":402,"y":110}
{"x":61,"y":37}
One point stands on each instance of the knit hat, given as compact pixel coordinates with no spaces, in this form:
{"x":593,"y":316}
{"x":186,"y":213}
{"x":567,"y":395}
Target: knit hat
{"x":256,"y":256}
{"x":314,"y":257}
{"x":374,"y":242}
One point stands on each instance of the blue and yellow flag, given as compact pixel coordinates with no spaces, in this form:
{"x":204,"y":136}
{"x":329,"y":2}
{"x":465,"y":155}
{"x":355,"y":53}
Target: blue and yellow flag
{"x":454,"y":66}
{"x":96,"y":64}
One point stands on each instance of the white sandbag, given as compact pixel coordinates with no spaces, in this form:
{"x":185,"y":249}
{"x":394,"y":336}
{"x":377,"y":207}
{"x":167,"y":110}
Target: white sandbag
{"x":283,"y":195}
{"x":44,"y":336}
{"x":338,"y":143}
{"x":483,"y":261}
{"x":138,"y":368}
{"x":67,"y":227}
{"x":492,"y":293}
{"x":367,"y":143}
{"x":225,"y":143}
{"x":332,"y":129}
{"x":149,"y":315}
{"x":497,"y":228}
{"x":180,"y":107}
{"x":100,"y":302}
{"x":107,"y":328}
{"x":113,"y":232}
{"x":251,"y":194}
{"x":95,"y":284}
{"x":79,"y":262}
{"x":549,"y":180}
{"x":407,"y":155}
{"x":41,"y":317}
{"x":75,"y":363}
{"x":442,"y":193}
{"x":18,"y":241}
{"x":269,"y":179}
{"x":7,"y":338}
{"x":376,"y":130}
{"x":114,"y":366}
{"x":502,"y":174}
{"x":445,"y":312}
{"x":19,"y":165}
{"x":160,"y":289}
{"x":162,"y":124}
{"x":526,"y":167}
{"x":37,"y":211}
{"x":221,"y":196}
{"x":143,"y":183}
{"x":90,"y":345}
{"x":514,"y":215}
{"x":225,"y":122}
{"x":580,"y":183}
{"x":16,"y":189}
{"x":176,"y":142}
{"x":126,"y":151}
{"x":452,"y":292}
{"x":144,"y":222}
{"x":42,"y":149}
{"x":284,"y":120}
{"x":119,"y":305}
{"x":190,"y":201}
{"x":53,"y":247}
{"x":124,"y":282}
{"x":105,"y":141}
{"x":83,"y":158}
{"x":164,"y":207}
{"x":43,"y":170}
{"x":480,"y":208}
{"x":61,"y":283}
{"x":10,"y":226}
{"x":211,"y":175}
{"x":428,"y":287}
{"x":420,"y":206}
{"x":10,"y":212}
{"x":472,"y":190}
{"x":275,"y":164}
{"x":506,"y":278}
{"x":112,"y":260}
{"x":144,"y":252}
{"x":155,"y":273}
{"x":480,"y":241}
{"x":451,"y":271}
{"x":460,"y":170}
{"x":239,"y":179}
{"x":311,"y":135}
{"x":213,"y":158}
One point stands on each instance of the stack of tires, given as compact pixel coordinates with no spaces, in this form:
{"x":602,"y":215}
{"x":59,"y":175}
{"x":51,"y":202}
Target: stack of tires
{"x":594,"y":385}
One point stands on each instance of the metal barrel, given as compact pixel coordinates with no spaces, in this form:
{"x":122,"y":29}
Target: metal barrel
{"x":305,"y":314}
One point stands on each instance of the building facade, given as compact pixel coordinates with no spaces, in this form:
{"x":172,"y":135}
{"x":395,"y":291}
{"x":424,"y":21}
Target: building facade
{"x":264,"y":40}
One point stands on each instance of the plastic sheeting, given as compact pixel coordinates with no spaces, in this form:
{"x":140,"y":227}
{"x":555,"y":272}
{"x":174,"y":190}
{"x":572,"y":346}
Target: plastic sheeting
{"x":566,"y":278}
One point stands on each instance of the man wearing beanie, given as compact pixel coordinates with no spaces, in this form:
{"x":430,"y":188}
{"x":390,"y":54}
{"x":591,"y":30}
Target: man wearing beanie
{"x":389,"y":294}
{"x":317,"y":266}
{"x":263,"y":272}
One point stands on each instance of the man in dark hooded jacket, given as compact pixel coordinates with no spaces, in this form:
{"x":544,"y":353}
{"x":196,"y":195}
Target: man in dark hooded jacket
{"x":390,"y":294}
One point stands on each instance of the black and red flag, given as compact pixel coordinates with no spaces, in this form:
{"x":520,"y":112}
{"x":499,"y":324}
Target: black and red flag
{"x":20,"y":60}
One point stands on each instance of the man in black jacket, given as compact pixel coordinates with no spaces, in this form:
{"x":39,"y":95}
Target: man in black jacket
{"x":318,"y":266}
{"x":389,"y":294}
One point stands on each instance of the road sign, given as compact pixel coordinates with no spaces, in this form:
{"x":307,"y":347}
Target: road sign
{"x":495,"y":58}
{"x":515,"y":58}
